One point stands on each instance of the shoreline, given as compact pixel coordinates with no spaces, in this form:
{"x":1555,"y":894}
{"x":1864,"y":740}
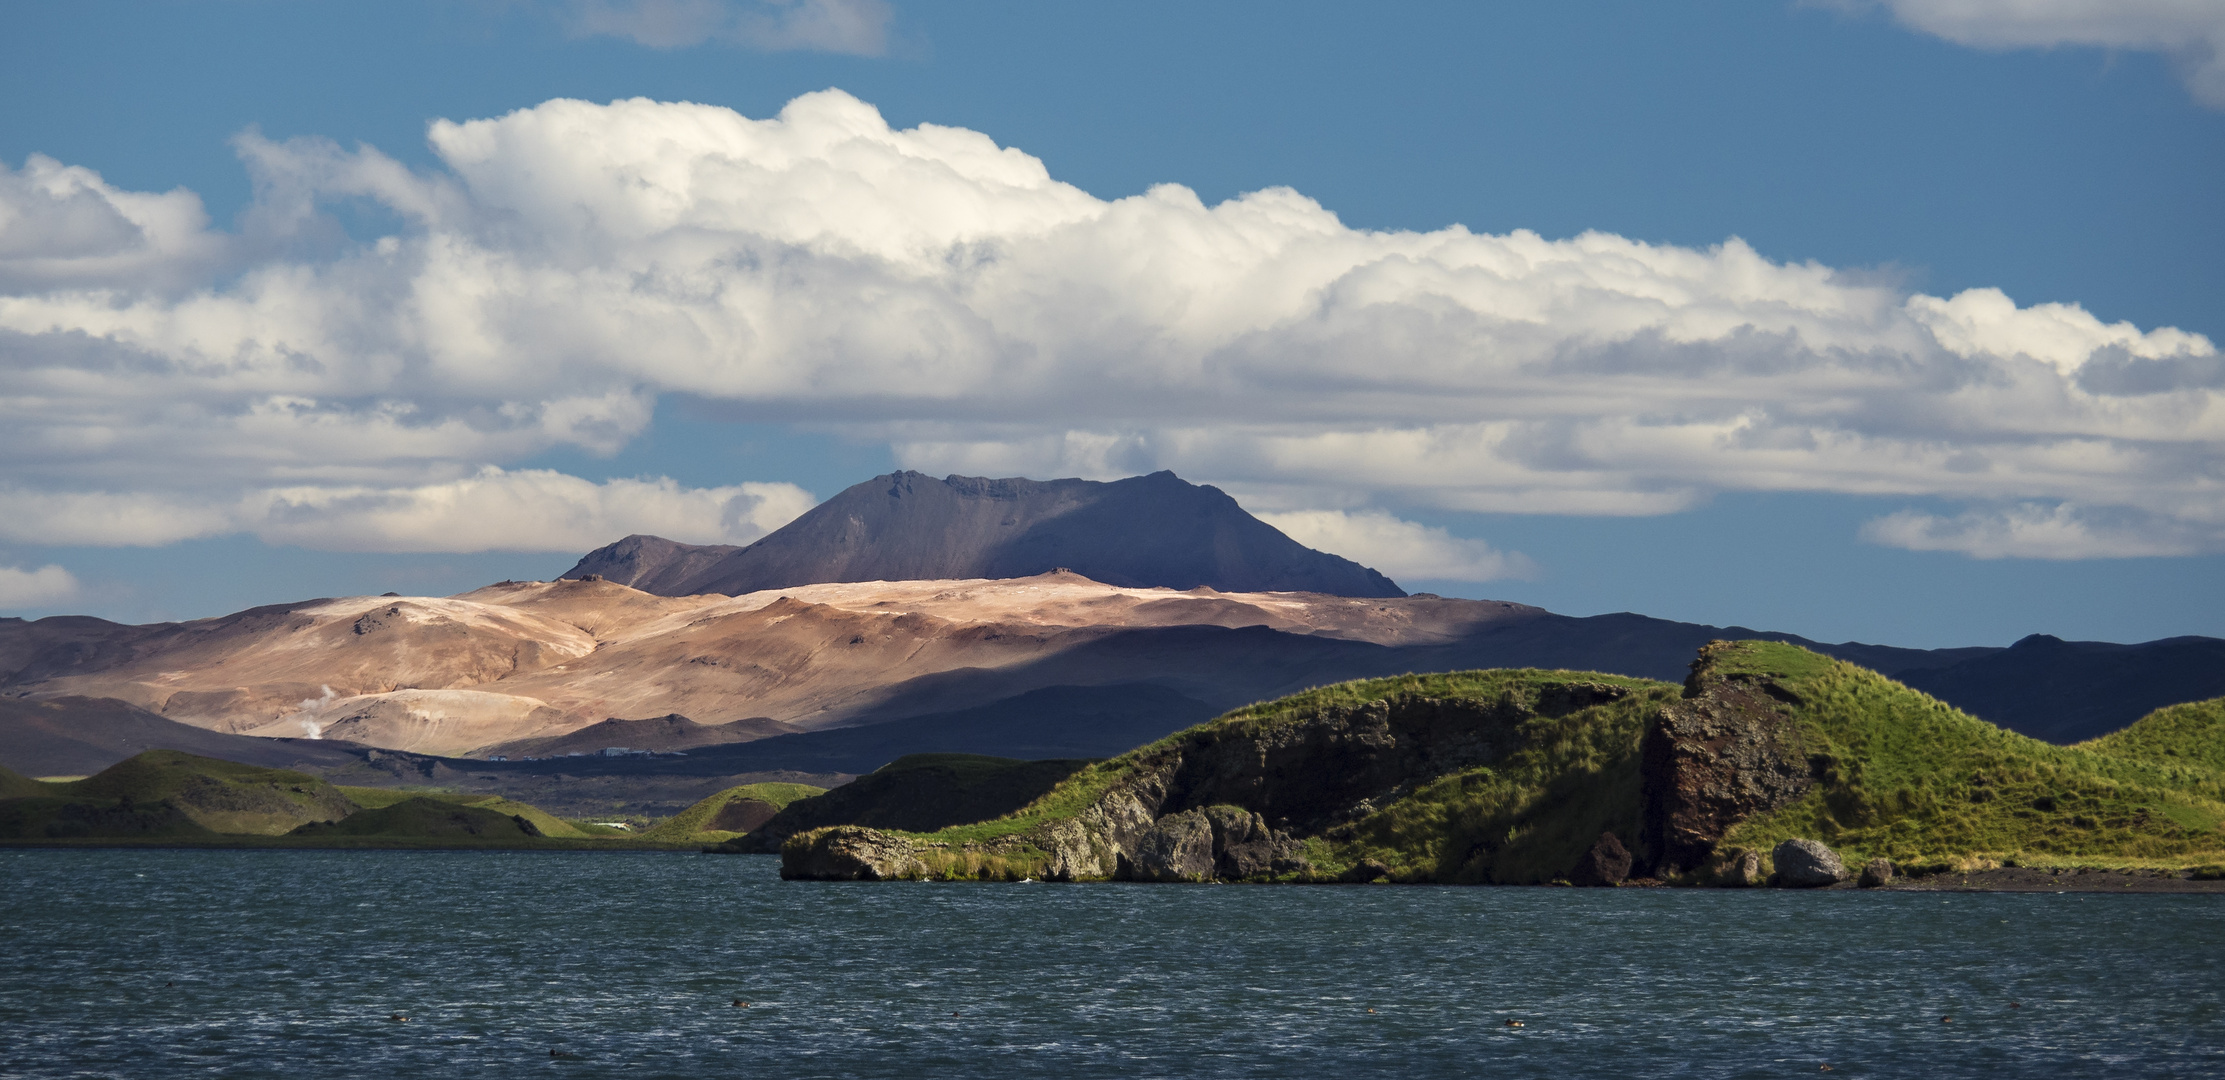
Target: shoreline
{"x":1995,"y":880}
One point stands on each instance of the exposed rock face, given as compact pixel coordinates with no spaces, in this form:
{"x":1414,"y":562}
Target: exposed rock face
{"x":906,"y":526}
{"x":1876,"y":873}
{"x":850,"y":853}
{"x":1211,"y":843}
{"x":1607,"y":863}
{"x":1728,"y":750}
{"x":1807,"y":864}
{"x":1177,"y":847}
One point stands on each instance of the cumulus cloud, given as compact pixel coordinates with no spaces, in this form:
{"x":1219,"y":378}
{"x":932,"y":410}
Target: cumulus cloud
{"x":2030,"y":531}
{"x":493,"y":510}
{"x":570,"y":263}
{"x":46,"y":585}
{"x":856,"y":27}
{"x":1401,"y":549}
{"x":62,"y":225}
{"x":2189,"y":32}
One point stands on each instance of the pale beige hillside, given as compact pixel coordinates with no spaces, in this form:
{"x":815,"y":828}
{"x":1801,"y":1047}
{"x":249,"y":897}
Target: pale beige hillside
{"x":538,"y":659}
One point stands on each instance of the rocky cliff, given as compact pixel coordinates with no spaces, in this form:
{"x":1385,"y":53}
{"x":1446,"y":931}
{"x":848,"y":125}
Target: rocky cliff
{"x":1728,"y":750}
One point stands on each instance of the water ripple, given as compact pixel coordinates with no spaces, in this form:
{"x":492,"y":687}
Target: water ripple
{"x":148,"y":964}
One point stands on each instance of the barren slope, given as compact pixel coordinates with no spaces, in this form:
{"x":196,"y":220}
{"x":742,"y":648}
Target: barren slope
{"x":528,"y":660}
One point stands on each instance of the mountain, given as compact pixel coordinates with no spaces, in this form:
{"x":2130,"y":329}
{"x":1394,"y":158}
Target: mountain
{"x":2068,"y":691}
{"x":1053,"y":666}
{"x":1527,"y":777}
{"x":79,"y":736}
{"x":1155,"y":530}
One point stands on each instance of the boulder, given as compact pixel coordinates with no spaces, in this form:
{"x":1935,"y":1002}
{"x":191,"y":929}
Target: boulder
{"x":1876,"y":872}
{"x":1744,"y":871}
{"x":1807,"y":864}
{"x":1607,"y":863}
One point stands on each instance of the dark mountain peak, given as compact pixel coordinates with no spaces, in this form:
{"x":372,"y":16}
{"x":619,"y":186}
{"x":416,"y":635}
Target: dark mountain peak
{"x":2039,"y":641}
{"x":1155,"y":530}
{"x":649,"y":563}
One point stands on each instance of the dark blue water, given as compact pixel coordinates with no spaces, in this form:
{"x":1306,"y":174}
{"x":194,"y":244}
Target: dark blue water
{"x":147,"y":964}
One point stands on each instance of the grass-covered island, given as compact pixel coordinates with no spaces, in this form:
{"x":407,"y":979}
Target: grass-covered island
{"x":169,"y":798}
{"x":1531,"y":777}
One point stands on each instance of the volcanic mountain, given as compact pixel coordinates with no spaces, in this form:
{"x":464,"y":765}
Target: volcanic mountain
{"x":1142,"y":532}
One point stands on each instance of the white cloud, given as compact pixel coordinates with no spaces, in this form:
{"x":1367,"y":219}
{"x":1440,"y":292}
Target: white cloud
{"x":572,"y":262}
{"x":534,"y":510}
{"x":857,"y":27}
{"x":2190,"y":32}
{"x":493,"y":510}
{"x":1401,"y":549}
{"x":62,"y":225}
{"x":2032,"y":531}
{"x":35,"y":588}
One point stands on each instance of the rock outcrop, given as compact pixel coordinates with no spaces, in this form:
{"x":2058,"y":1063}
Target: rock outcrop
{"x":1606,"y":863}
{"x":1743,"y":872}
{"x":1876,"y":873}
{"x":1807,"y":864}
{"x":850,"y":853}
{"x":1215,"y":843}
{"x":1725,"y":752}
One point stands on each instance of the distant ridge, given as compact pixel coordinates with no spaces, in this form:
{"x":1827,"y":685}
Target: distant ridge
{"x":1157,"y":530}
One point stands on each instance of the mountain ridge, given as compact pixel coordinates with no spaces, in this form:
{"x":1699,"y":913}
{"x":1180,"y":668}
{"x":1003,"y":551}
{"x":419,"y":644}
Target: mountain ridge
{"x":1156,"y":530}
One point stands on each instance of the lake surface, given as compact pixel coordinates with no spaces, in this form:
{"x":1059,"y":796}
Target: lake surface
{"x":147,"y":964}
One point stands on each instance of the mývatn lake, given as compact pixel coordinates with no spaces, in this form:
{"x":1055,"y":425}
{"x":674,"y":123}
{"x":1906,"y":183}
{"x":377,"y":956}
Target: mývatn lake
{"x":149,"y":964}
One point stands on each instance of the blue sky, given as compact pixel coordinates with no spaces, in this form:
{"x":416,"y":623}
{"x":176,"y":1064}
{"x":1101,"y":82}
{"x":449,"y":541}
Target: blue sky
{"x":356,"y":358}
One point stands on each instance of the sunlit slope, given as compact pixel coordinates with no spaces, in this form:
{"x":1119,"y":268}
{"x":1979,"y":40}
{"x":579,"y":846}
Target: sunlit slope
{"x":2188,"y":739}
{"x":1903,"y":776}
{"x":730,"y":813}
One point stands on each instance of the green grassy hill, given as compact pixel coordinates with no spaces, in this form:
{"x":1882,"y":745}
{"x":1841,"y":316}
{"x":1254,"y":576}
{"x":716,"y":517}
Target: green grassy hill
{"x":426,"y":818}
{"x":918,"y":792}
{"x":729,"y":813}
{"x":15,"y":785}
{"x":168,"y":796}
{"x":1511,"y":776}
{"x":172,"y":793}
{"x":549,"y":824}
{"x":1906,"y":777}
{"x":2189,"y":739}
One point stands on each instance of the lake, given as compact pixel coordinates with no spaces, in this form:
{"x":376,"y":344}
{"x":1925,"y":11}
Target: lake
{"x":148,"y":964}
